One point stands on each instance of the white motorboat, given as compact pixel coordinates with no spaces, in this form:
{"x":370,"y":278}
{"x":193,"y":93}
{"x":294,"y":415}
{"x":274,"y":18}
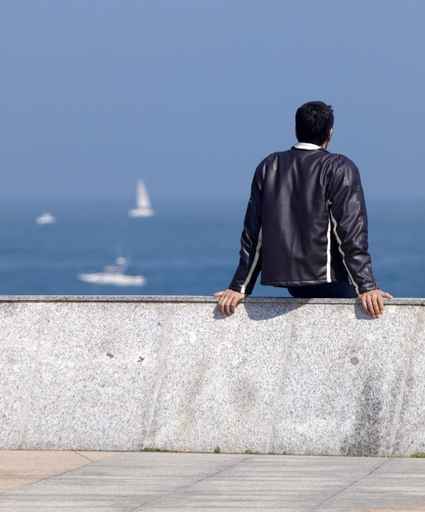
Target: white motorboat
{"x":113,"y":275}
{"x":143,"y":203}
{"x":45,"y":218}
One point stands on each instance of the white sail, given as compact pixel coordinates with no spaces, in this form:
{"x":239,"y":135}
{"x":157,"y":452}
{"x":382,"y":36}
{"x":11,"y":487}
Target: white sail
{"x":143,"y":200}
{"x":143,"y":208}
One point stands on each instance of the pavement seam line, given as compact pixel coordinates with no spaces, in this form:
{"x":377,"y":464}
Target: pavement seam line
{"x":83,"y":456}
{"x":140,"y":507}
{"x":352,"y":484}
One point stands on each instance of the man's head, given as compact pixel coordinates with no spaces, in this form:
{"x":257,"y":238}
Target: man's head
{"x":314,"y":122}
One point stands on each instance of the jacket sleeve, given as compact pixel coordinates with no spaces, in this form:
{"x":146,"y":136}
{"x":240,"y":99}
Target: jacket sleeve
{"x":250,"y":259}
{"x":348,"y":214}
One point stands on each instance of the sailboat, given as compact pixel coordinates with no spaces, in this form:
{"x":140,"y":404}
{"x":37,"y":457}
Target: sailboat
{"x":114,"y":275}
{"x":143,"y":208}
{"x":45,"y":218}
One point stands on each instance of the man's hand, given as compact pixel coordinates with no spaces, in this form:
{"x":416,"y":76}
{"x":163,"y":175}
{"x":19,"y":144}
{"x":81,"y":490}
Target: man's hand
{"x":228,"y":300}
{"x":373,"y":301}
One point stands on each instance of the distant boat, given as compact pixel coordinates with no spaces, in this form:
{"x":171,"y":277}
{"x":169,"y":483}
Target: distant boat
{"x":45,"y":218}
{"x":143,"y":208}
{"x":114,"y":275}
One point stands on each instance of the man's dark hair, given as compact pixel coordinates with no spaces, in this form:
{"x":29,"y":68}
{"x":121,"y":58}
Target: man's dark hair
{"x":313,"y":122}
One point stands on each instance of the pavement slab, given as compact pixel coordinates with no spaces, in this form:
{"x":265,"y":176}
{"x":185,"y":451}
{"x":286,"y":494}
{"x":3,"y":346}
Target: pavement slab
{"x":169,"y":481}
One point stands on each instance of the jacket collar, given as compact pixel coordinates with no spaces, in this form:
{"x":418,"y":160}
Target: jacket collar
{"x":306,"y":145}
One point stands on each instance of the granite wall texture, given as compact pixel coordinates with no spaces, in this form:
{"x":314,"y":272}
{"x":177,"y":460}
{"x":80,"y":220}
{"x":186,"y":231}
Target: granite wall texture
{"x":287,"y":376}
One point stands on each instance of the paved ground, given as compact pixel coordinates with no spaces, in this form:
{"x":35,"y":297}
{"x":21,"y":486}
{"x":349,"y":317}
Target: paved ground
{"x":143,"y":481}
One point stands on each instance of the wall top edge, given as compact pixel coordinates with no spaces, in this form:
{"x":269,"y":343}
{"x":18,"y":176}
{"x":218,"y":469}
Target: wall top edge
{"x":191,"y":299}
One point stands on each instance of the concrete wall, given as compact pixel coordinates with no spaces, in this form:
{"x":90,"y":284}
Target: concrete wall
{"x":280,"y":376}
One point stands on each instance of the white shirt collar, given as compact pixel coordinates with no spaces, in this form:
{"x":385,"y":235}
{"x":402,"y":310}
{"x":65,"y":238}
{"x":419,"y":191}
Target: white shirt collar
{"x":306,"y":145}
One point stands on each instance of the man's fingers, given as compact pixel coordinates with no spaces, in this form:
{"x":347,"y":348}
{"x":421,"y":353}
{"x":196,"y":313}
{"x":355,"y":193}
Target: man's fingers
{"x":376,"y":305}
{"x":373,"y":302}
{"x":380,"y":303}
{"x":231,"y":308}
{"x":228,"y":301}
{"x":220,"y":302}
{"x":375,"y":308}
{"x":228,"y":305}
{"x":223,"y":304}
{"x":364,"y":304}
{"x":234,"y":303}
{"x":220,"y":306}
{"x":370,"y":306}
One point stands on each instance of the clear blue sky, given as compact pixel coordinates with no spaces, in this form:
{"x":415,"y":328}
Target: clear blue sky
{"x":191,"y":94}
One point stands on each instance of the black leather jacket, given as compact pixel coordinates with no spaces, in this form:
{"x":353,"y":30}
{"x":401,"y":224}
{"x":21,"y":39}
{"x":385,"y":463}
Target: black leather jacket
{"x":305,"y":223}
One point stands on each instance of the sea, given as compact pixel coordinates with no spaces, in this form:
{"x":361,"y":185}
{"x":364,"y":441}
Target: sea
{"x":186,"y":248}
